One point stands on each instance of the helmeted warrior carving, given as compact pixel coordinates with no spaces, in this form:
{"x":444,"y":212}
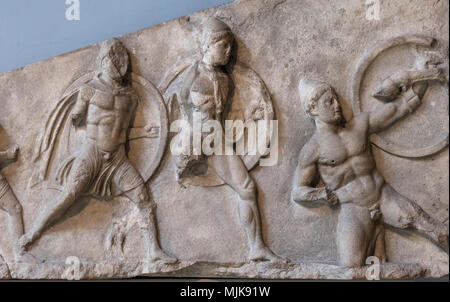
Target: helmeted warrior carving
{"x":340,"y":153}
{"x":106,"y":106}
{"x":202,"y":85}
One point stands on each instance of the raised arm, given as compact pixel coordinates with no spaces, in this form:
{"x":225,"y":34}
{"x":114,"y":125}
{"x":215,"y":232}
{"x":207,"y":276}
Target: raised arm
{"x":403,"y":93}
{"x":303,"y":193}
{"x":79,"y":111}
{"x":387,"y":114}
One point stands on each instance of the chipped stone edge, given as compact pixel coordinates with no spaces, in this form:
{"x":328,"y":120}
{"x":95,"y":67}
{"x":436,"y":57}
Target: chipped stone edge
{"x":193,"y":269}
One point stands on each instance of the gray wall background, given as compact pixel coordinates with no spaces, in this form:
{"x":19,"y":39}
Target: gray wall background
{"x":34,"y":30}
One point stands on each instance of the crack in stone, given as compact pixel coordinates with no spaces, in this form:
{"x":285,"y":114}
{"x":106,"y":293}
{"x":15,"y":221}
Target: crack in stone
{"x":276,"y":5}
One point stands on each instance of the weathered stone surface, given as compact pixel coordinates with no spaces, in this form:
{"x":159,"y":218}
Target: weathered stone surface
{"x":262,"y":270}
{"x":214,"y":224}
{"x":4,"y":270}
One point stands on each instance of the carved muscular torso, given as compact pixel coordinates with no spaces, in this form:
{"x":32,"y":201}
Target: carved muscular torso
{"x":346,"y":164}
{"x":109,"y":115}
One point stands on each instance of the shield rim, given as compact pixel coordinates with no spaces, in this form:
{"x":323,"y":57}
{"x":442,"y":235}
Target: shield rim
{"x":355,"y":93}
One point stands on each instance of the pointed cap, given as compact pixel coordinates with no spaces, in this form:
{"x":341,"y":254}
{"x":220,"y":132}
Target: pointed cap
{"x":213,"y":25}
{"x":311,"y":90}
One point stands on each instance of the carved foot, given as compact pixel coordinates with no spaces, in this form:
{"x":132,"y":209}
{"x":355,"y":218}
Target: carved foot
{"x":114,"y":241}
{"x":24,"y":242}
{"x":443,"y":242}
{"x":27,"y":258}
{"x":440,"y":236}
{"x":265,"y":254}
{"x":159,"y":255}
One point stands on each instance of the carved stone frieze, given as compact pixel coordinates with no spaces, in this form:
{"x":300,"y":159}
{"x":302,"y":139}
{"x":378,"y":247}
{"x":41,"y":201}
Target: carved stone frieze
{"x":261,"y":139}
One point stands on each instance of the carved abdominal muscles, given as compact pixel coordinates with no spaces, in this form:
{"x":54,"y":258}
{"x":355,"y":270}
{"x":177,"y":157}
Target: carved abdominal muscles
{"x":340,"y":153}
{"x":106,"y":104}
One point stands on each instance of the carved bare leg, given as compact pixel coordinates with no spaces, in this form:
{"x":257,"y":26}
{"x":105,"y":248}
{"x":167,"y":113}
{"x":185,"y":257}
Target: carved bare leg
{"x":354,"y":231}
{"x":146,"y":220}
{"x":232,"y":170}
{"x":79,"y":177}
{"x":380,"y":246}
{"x":48,"y":217}
{"x":249,"y":217}
{"x":400,"y":212}
{"x":14,"y":210}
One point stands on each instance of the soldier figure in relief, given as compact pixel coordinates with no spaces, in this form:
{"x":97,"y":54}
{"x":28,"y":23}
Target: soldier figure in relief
{"x":206,"y":91}
{"x":341,"y":156}
{"x":102,"y":169}
{"x":12,"y":207}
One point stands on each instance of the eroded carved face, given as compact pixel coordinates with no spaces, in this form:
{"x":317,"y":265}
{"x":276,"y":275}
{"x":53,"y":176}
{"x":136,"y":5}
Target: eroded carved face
{"x":217,"y":51}
{"x":115,"y":64}
{"x":327,"y":109}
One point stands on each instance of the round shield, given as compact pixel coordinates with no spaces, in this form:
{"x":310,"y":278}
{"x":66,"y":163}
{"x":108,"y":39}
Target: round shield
{"x":386,"y":58}
{"x":251,"y":102}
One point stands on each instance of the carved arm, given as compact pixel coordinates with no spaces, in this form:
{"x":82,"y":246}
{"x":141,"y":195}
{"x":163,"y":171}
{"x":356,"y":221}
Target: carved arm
{"x":414,"y":84}
{"x":149,"y":131}
{"x":387,"y":114}
{"x":81,"y":105}
{"x":303,"y":193}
